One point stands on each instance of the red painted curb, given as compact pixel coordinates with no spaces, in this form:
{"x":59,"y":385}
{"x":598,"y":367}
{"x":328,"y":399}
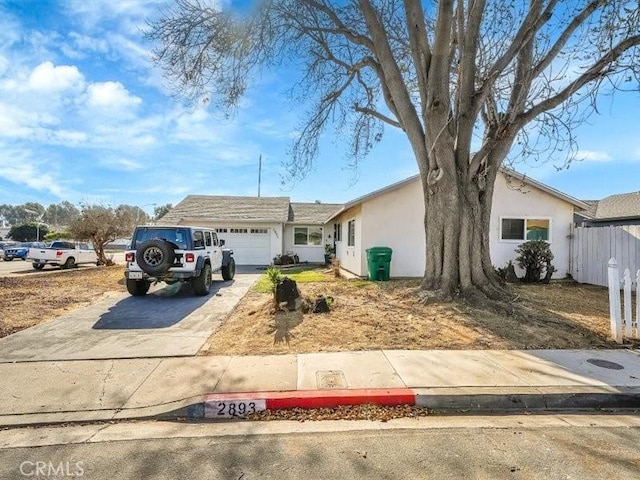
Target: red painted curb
{"x":322,"y":398}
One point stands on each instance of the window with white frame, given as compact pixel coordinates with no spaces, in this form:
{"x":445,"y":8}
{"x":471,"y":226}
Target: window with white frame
{"x":311,"y":236}
{"x":523,"y":229}
{"x":351,"y":233}
{"x":259,"y":230}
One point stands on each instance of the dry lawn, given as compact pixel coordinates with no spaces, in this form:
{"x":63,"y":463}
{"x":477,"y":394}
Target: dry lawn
{"x":35,"y":298}
{"x":389,"y":315}
{"x":364,"y":316}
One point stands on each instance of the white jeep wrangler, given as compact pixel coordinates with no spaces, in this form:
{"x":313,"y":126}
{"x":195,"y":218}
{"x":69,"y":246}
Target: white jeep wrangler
{"x":176,"y":254}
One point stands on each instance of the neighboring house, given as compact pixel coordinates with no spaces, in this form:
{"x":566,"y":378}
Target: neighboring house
{"x":622,"y":209}
{"x":259,"y":228}
{"x":523,"y":209}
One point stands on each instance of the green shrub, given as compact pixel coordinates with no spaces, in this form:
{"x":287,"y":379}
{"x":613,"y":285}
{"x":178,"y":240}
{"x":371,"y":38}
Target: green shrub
{"x":534,"y":257}
{"x":273,"y":275}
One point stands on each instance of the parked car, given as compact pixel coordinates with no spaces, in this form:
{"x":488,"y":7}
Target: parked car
{"x":20,"y":250}
{"x":62,"y":254}
{"x":176,"y":254}
{"x":4,"y":245}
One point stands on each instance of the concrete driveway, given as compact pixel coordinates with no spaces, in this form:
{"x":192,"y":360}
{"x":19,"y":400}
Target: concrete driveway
{"x":167,"y":322}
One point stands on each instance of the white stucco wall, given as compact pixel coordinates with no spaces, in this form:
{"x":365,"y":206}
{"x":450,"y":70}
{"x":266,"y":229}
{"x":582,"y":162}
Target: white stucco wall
{"x":395,"y":219}
{"x":517,"y":201}
{"x":314,"y":254}
{"x":350,"y":257}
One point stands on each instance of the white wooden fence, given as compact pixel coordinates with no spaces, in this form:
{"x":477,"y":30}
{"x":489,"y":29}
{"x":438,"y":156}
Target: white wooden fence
{"x":623,"y":326}
{"x":592,"y":247}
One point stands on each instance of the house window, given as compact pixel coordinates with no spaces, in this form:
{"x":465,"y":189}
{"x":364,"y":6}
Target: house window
{"x":337,"y":232}
{"x":259,"y":230}
{"x":351,"y":233}
{"x":238,"y":230}
{"x":221,"y":230}
{"x":522,"y":229}
{"x":307,"y":236}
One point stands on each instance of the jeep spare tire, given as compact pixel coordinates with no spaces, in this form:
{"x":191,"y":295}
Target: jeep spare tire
{"x":155,"y":256}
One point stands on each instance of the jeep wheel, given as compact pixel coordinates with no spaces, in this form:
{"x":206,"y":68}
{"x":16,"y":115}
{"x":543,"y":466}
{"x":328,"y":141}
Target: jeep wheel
{"x":138,"y":287}
{"x":202,"y":283}
{"x":155,"y":256}
{"x":229,"y":270}
{"x":38,"y":266}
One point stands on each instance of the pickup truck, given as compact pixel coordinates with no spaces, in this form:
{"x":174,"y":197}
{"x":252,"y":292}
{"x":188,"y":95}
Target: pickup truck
{"x":62,"y":254}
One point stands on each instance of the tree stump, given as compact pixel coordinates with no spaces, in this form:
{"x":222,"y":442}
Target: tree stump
{"x":287,"y":292}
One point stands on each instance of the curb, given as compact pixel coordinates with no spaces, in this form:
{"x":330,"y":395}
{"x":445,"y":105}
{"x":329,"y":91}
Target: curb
{"x":480,"y":399}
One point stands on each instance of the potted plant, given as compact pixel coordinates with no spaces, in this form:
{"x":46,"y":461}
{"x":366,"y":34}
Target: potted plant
{"x":329,"y":251}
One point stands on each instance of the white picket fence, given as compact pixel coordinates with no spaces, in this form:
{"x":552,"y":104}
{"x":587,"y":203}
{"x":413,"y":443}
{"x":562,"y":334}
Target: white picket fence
{"x":592,"y":247}
{"x":623,"y":326}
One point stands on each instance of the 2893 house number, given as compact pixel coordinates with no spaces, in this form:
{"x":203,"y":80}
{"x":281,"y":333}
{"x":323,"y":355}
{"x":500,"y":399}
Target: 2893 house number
{"x":233,"y":408}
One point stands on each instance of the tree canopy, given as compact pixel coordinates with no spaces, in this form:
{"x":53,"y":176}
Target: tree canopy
{"x":464,"y":81}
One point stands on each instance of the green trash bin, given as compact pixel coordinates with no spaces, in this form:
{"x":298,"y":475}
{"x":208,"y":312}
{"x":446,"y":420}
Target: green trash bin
{"x":379,"y":263}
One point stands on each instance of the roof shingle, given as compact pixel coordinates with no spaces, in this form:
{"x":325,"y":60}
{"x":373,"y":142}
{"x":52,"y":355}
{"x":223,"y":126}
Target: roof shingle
{"x":212,"y":208}
{"x":619,"y":206}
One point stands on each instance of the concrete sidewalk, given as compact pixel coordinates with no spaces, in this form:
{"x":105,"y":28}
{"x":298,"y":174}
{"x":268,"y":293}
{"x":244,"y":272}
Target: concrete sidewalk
{"x":482,"y":380}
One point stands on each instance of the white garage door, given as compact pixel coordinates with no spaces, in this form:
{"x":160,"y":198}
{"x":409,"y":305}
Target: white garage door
{"x":250,"y":245}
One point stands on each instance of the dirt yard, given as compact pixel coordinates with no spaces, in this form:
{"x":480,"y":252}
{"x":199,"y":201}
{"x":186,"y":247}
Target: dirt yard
{"x":366,"y":316}
{"x":363,"y":316}
{"x":35,"y":298}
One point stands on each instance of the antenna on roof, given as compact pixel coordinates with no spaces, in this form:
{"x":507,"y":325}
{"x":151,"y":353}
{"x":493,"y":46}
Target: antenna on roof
{"x":259,"y":172}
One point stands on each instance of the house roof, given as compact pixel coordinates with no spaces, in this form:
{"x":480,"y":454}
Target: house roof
{"x":312,"y":213}
{"x":214,"y":208}
{"x":622,"y":206}
{"x":590,"y":211}
{"x":506,"y":171}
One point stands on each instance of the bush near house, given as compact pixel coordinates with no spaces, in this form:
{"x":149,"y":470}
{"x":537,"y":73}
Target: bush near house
{"x":535,"y":258}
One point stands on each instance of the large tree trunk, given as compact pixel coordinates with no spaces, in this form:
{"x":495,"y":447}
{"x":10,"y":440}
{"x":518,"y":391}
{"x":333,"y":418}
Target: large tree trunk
{"x":457,"y":214}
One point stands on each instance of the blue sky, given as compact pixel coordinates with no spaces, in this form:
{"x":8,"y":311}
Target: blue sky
{"x":85,"y":117}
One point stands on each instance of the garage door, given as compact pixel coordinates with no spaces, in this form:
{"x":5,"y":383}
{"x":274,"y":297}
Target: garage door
{"x":250,"y":245}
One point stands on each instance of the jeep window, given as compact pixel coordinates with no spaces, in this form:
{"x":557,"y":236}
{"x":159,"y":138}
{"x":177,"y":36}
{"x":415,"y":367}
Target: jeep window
{"x":177,"y":236}
{"x":215,"y":239}
{"x":207,"y":238}
{"x":198,"y":239}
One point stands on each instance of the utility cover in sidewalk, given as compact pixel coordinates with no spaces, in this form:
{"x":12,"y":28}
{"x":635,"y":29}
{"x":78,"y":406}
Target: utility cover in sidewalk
{"x":330,"y":379}
{"x":605,"y":364}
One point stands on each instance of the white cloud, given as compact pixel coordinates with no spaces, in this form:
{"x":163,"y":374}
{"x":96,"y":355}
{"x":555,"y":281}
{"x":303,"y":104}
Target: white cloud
{"x":111,"y":95}
{"x":46,"y":77}
{"x":21,"y":168}
{"x":124,"y":164}
{"x":593,"y":156}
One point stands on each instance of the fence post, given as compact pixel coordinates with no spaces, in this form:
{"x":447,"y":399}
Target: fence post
{"x":614,"y":301}
{"x":628,"y":319}
{"x":638,"y":304}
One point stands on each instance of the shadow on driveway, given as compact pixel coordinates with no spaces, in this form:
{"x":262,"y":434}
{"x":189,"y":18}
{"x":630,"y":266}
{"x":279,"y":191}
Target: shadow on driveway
{"x":160,"y":309}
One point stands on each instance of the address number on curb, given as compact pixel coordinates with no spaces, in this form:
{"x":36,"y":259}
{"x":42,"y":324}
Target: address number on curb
{"x":233,"y":408}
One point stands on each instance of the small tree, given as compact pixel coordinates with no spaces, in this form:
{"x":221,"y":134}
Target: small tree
{"x":28,"y":232}
{"x":55,"y":235}
{"x":101,"y":225}
{"x":161,"y":211}
{"x":274,"y":276}
{"x":535,"y":257}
